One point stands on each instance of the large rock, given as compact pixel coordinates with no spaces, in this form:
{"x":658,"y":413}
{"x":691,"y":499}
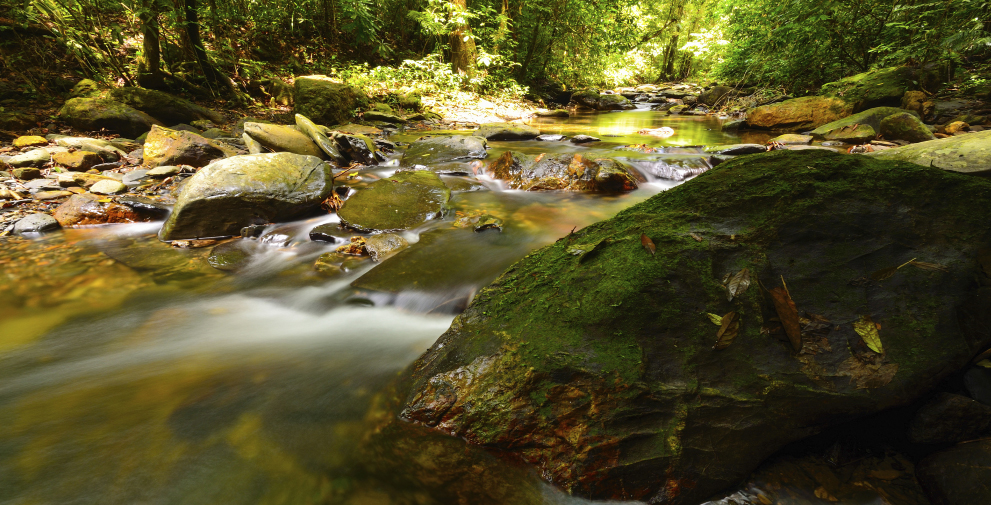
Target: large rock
{"x":715,"y":95}
{"x":594,"y":360}
{"x":355,"y":147}
{"x":960,"y":475}
{"x":87,"y":208}
{"x":875,"y":88}
{"x":593,"y":100}
{"x":870,"y":117}
{"x":165,"y":107}
{"x":230,"y":194}
{"x":442,"y":149}
{"x":948,"y":419}
{"x":969,"y":153}
{"x":400,"y":202}
{"x":569,"y":172}
{"x":92,"y":114}
{"x":506,"y":131}
{"x":325,"y":101}
{"x":282,"y":138}
{"x":106,"y":149}
{"x":317,"y":135}
{"x":905,"y":126}
{"x":798,"y":114}
{"x":166,"y":147}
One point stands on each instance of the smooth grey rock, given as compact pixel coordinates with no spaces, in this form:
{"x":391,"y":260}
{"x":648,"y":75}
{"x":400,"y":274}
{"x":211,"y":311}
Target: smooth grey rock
{"x":581,"y":139}
{"x":433,"y":150}
{"x":108,"y":187}
{"x":32,"y":158}
{"x":36,"y":223}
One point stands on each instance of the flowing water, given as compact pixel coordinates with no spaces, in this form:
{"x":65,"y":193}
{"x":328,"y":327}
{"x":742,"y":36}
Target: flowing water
{"x":133,"y":372}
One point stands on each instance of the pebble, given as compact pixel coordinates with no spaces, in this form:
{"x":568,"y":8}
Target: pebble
{"x":108,"y":187}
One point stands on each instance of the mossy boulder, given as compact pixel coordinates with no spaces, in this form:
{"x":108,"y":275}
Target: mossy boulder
{"x":568,"y":172}
{"x":86,"y":88}
{"x":281,"y":138}
{"x":230,"y":194}
{"x":968,"y":153}
{"x":98,"y":113}
{"x":400,"y":202}
{"x":441,"y":149}
{"x":798,"y":114}
{"x":164,"y":107}
{"x":166,"y":147}
{"x":325,"y":101}
{"x":875,"y":88}
{"x":843,"y":127}
{"x":506,"y":131}
{"x":905,"y":126}
{"x":594,"y":358}
{"x":592,"y":99}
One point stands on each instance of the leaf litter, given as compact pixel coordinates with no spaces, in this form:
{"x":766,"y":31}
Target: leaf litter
{"x":648,"y":244}
{"x":867,"y":329}
{"x":788,"y":314}
{"x":728,"y":330}
{"x":737,"y":284}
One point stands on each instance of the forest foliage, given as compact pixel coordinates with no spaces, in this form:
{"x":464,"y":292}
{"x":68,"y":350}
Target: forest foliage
{"x":491,"y":45}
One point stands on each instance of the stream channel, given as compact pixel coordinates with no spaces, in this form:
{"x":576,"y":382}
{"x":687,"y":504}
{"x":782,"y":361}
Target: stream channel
{"x":132,"y":372}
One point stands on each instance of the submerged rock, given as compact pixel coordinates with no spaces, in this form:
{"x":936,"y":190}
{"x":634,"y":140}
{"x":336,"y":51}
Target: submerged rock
{"x":433,"y":150}
{"x":400,"y":202}
{"x":383,"y":245}
{"x":165,"y":107}
{"x":98,"y":113}
{"x":798,"y":113}
{"x":166,"y":147}
{"x":570,"y":172}
{"x":969,"y":153}
{"x":593,"y":358}
{"x":230,"y":194}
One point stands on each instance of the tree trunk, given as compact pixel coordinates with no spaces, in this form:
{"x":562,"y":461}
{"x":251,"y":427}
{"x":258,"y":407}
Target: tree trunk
{"x":150,"y":67}
{"x":214,"y":78}
{"x":463,"y":55}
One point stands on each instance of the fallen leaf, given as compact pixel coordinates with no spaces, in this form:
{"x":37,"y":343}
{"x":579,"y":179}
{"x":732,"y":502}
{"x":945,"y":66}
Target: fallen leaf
{"x":738,"y":284}
{"x":982,"y":356}
{"x":884,"y":273}
{"x":929,"y":266}
{"x":696,"y":236}
{"x":728,"y":330}
{"x":867,"y":330}
{"x":648,"y":244}
{"x":105,"y":200}
{"x":716,"y":320}
{"x":788,"y":313}
{"x":985,"y":363}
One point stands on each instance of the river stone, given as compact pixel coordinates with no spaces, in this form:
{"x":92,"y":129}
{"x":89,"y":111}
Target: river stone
{"x":969,"y":154}
{"x":736,"y":149}
{"x":106,"y":149}
{"x":918,"y":102}
{"x":108,"y":188}
{"x":956,"y":127}
{"x":553,"y":113}
{"x":569,"y":172}
{"x":165,"y":146}
{"x":506,"y":131}
{"x":325,"y":101}
{"x":165,"y":107}
{"x":90,"y":114}
{"x":231,"y":256}
{"x":355,"y":147}
{"x":385,"y":117}
{"x":400,"y":202}
{"x":905,"y":126}
{"x":875,"y":88}
{"x":851,"y":134}
{"x":282,"y":139}
{"x":161,"y":172}
{"x":86,"y":209}
{"x":69,"y":179}
{"x":235,"y":192}
{"x":948,"y":419}
{"x":715,"y":94}
{"x":134,"y":177}
{"x":798,"y":114}
{"x":792,"y":139}
{"x":36,"y":223}
{"x":330,"y":232}
{"x":30,"y":141}
{"x":253,"y":146}
{"x":550,"y":137}
{"x":594,"y":100}
{"x":433,"y":150}
{"x":593,"y":358}
{"x":583,"y":139}
{"x":869,"y":117}
{"x":316,"y":134}
{"x":960,"y":475}
{"x":32,"y":158}
{"x":383,"y":245}
{"x":80,"y":161}
{"x":26,"y":174}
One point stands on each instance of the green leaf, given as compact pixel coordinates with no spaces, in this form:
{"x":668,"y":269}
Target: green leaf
{"x":867,"y":329}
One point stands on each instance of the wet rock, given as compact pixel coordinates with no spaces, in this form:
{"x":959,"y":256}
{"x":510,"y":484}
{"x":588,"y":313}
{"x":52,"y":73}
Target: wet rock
{"x":479,"y":222}
{"x":870,"y":117}
{"x":162,"y":172}
{"x":605,"y":397}
{"x":852,"y":134}
{"x":506,"y":131}
{"x":969,"y":154}
{"x":329,"y":264}
{"x":875,"y":88}
{"x":357,"y":148}
{"x":400,"y":202}
{"x":26,"y":174}
{"x":919,"y":103}
{"x":316,"y":134}
{"x":798,"y":113}
{"x":732,"y":125}
{"x":80,"y":161}
{"x":463,"y":184}
{"x":253,"y":230}
{"x":51,"y":195}
{"x":326,"y":102}
{"x":235,"y":192}
{"x":716,"y":94}
{"x":956,"y":127}
{"x":41,"y":184}
{"x":32,"y":158}
{"x":82,"y":179}
{"x":977,"y":380}
{"x":165,"y":107}
{"x":570,"y":172}
{"x":384,"y":245}
{"x":960,"y":475}
{"x":86,"y":209}
{"x":594,"y":100}
{"x":550,"y":137}
{"x":584,"y":139}
{"x":231,"y":256}
{"x":792,"y":139}
{"x":108,"y":187}
{"x":215,"y":133}
{"x":253,"y":146}
{"x":948,"y":419}
{"x":177,"y":147}
{"x":433,"y":150}
{"x":330,"y":232}
{"x":30,"y":141}
{"x":90,"y":114}
{"x":282,"y":139}
{"x":145,"y":206}
{"x":905,"y":126}
{"x":736,"y":149}
{"x":553,"y":113}
{"x":36,"y":223}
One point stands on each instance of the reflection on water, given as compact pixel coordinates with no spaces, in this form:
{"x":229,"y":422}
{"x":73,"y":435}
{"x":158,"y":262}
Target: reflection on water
{"x":134,"y":372}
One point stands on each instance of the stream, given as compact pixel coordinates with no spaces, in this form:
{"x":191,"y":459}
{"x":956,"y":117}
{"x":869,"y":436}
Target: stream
{"x":134,"y":372}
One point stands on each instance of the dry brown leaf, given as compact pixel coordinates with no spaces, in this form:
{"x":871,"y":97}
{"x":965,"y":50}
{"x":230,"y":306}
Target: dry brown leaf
{"x":788,"y":313}
{"x":648,"y":244}
{"x":884,"y":273}
{"x":727,"y":331}
{"x":738,"y":284}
